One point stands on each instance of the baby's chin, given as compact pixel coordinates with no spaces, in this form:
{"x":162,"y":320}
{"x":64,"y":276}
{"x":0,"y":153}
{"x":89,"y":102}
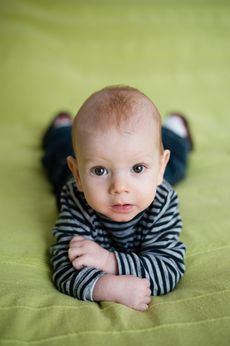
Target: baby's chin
{"x":116,"y":218}
{"x":121,"y":217}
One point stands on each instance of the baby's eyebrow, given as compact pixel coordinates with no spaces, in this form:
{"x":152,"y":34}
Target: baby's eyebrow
{"x":141,"y":158}
{"x":95,"y":161}
{"x":105,"y":161}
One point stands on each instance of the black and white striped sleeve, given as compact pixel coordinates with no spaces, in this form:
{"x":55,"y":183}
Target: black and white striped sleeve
{"x":72,"y":221}
{"x":161,"y":255}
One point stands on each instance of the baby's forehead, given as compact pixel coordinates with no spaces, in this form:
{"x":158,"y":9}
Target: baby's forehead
{"x":131,"y":137}
{"x":134,"y":126}
{"x":99,"y":116}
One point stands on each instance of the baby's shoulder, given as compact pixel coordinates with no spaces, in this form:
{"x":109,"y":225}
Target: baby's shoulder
{"x":165,"y":197}
{"x":164,"y":192}
{"x":158,"y":216}
{"x":72,"y":197}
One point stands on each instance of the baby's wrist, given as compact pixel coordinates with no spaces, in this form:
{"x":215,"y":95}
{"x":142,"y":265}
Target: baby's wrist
{"x":111,"y":264}
{"x":105,"y":288}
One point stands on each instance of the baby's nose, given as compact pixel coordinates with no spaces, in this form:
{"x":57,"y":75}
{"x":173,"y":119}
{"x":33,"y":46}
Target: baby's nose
{"x":119,"y":184}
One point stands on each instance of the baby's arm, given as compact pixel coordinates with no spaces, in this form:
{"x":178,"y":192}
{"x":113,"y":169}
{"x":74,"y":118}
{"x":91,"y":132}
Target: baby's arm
{"x":77,"y":283}
{"x":124,"y":289}
{"x":87,"y":253}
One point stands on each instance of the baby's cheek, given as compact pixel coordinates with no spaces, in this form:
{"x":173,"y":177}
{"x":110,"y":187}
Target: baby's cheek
{"x":148,"y":193}
{"x":94,"y":198}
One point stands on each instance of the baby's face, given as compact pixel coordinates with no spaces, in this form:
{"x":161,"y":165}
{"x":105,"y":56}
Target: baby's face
{"x":118,"y":171}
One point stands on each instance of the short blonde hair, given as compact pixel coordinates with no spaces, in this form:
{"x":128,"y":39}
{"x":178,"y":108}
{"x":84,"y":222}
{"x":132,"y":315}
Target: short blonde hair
{"x":112,"y":106}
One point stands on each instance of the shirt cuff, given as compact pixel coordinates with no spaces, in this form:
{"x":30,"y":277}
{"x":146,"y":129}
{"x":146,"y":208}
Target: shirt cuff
{"x":88,"y":291}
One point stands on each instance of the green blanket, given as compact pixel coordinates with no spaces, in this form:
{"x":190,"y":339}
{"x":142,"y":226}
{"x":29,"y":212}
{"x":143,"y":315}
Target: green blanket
{"x":53,"y":54}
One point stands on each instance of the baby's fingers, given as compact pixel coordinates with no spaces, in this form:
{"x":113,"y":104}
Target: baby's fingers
{"x":76,"y":239}
{"x":147,"y":282}
{"x":142,"y":307}
{"x":147,"y":300}
{"x":74,"y":252}
{"x":148,"y":293}
{"x":144,"y":304}
{"x":78,"y":263}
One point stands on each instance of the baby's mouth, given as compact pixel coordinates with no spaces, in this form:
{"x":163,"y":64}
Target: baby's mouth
{"x":122,"y":208}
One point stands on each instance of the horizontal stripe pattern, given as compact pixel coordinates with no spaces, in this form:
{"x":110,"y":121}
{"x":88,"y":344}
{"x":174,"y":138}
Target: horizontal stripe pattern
{"x":147,"y":246}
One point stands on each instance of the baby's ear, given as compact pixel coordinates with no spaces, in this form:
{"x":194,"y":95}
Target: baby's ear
{"x":163,"y":163}
{"x":73,"y":167}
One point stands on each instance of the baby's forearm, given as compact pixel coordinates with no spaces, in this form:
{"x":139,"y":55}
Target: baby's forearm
{"x":124,"y":289}
{"x":104,"y":288}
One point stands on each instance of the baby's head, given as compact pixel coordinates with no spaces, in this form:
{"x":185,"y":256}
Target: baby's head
{"x":120,"y":158}
{"x":115,"y":107}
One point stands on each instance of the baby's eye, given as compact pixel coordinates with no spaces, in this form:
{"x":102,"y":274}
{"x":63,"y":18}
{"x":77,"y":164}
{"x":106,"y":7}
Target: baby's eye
{"x":139,"y":168}
{"x":99,"y":171}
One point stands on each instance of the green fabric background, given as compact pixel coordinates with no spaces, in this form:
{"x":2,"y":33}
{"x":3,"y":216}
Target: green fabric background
{"x":53,"y":54}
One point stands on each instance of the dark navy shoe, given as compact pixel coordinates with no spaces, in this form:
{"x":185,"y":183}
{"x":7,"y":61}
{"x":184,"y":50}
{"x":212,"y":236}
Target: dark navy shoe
{"x":61,"y":119}
{"x":187,"y":127}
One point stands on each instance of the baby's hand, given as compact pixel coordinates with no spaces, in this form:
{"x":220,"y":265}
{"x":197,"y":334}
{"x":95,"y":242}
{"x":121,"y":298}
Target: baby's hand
{"x":124,"y":289}
{"x":87,"y":253}
{"x":134,"y":292}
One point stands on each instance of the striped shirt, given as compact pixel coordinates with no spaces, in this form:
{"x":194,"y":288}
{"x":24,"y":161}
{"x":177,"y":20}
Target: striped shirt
{"x":148,"y":246}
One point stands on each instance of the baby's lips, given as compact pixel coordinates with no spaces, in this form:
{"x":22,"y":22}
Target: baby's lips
{"x":122,"y":208}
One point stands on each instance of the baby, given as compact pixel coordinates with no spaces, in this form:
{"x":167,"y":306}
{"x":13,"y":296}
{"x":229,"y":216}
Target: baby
{"x":118,"y":227}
